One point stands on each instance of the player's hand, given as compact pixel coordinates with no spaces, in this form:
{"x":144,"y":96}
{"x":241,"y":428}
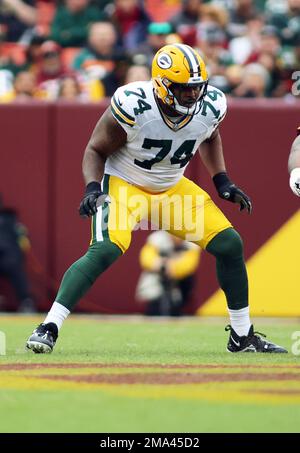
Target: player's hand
{"x":230,"y":192}
{"x":295,"y":181}
{"x":93,"y":198}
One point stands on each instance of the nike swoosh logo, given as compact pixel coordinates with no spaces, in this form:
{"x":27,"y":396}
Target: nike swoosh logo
{"x":237,"y":343}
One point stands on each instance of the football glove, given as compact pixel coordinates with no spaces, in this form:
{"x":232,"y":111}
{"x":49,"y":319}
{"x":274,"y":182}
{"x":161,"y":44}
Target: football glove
{"x":93,"y":198}
{"x":230,"y":192}
{"x":295,"y":181}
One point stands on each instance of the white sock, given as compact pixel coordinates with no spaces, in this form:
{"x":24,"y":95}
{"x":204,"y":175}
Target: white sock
{"x":240,"y":321}
{"x":57,"y":314}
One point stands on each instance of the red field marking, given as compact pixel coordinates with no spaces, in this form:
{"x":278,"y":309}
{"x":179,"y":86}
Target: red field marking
{"x":33,"y":366}
{"x":171,"y":378}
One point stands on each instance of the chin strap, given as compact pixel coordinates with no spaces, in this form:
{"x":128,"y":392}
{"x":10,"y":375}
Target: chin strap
{"x":186,"y":110}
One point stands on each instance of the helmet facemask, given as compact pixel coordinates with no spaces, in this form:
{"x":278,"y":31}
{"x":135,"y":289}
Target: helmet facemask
{"x":194,"y":108}
{"x":171,"y":100}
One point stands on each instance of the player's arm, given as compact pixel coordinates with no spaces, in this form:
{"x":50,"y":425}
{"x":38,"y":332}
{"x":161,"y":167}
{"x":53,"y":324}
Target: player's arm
{"x":212,"y":157}
{"x":107,"y":138}
{"x":212,"y":154}
{"x":294,"y":166}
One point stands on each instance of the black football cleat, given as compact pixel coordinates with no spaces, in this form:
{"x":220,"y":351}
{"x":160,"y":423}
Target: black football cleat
{"x":253,"y":342}
{"x":43,"y":338}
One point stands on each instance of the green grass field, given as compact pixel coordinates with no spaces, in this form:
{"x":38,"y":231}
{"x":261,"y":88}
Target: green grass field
{"x":141,"y":375}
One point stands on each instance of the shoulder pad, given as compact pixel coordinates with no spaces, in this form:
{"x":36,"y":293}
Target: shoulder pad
{"x":122,"y":108}
{"x":214,"y":105}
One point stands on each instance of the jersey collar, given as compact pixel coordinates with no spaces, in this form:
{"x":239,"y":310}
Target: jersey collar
{"x":183,"y":121}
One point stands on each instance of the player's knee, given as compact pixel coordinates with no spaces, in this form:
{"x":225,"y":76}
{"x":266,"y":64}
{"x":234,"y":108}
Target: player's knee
{"x":98,"y":258}
{"x":105,"y":252}
{"x":228,"y":243}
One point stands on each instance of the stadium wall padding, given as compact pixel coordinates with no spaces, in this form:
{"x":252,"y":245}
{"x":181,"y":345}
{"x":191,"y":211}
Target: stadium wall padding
{"x":41,"y":151}
{"x":25,"y":180}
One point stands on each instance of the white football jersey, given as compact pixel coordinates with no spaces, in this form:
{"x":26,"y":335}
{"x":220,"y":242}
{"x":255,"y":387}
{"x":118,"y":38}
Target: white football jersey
{"x":156,"y":154}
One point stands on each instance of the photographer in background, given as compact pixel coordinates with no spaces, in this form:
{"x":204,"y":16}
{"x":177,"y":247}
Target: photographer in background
{"x":169,"y":265}
{"x":13,"y":243}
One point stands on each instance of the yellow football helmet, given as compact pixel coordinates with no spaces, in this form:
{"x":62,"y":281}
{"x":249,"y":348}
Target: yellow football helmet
{"x":178,"y":64}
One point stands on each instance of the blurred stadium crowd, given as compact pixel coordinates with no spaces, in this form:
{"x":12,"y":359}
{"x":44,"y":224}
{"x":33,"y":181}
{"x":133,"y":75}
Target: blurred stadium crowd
{"x":85,"y":49}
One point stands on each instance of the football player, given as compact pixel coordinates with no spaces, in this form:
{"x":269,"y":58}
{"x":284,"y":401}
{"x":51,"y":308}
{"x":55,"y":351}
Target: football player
{"x":139,"y":150}
{"x":294,"y":165}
